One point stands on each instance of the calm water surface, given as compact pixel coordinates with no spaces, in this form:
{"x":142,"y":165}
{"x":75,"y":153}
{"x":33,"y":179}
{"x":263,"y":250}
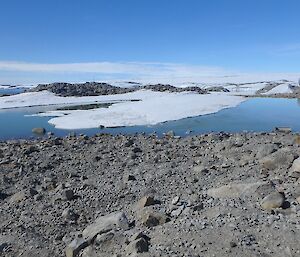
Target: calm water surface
{"x":257,"y":114}
{"x":11,"y":91}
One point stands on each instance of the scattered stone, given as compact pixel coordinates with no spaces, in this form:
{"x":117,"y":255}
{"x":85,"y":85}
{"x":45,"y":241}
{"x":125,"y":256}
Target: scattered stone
{"x":170,"y":134}
{"x":68,"y":194}
{"x":283,"y":129}
{"x":145,"y":201}
{"x":178,"y":211}
{"x":151,"y":218}
{"x":175,"y":200}
{"x":137,"y":150}
{"x":33,"y":192}
{"x":102,"y":238}
{"x":128,"y":177}
{"x":39,"y":131}
{"x":233,"y":244}
{"x":69,"y":214}
{"x":139,"y":235}
{"x":18,"y":197}
{"x":198,"y":207}
{"x":248,"y":240}
{"x":3,"y":195}
{"x":74,"y":248}
{"x":139,"y":245}
{"x":206,"y":183}
{"x":297,"y":140}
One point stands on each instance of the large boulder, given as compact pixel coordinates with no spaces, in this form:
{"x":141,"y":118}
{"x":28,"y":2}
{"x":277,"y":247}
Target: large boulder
{"x":39,"y":131}
{"x":234,"y":190}
{"x":151,"y":217}
{"x":103,"y":224}
{"x":264,"y":150}
{"x":281,"y":158}
{"x":272,"y":201}
{"x":145,"y":201}
{"x":295,"y":169}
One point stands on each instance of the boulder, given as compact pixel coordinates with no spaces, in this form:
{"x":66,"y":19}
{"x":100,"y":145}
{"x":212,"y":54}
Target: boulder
{"x":145,"y":201}
{"x":104,"y":224}
{"x":68,"y":194}
{"x":272,"y":201}
{"x":282,"y":157}
{"x":234,"y":190}
{"x":69,"y":214}
{"x":75,"y":247}
{"x":296,"y":166}
{"x":39,"y":131}
{"x":139,"y":245}
{"x":150,"y":217}
{"x":297,"y":140}
{"x":283,"y":130}
{"x":266,"y":149}
{"x":170,"y":134}
{"x":18,"y":197}
{"x":139,"y":235}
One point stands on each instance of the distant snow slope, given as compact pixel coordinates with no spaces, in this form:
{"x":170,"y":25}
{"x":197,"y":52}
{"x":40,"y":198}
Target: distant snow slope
{"x":281,"y":89}
{"x":47,"y":98}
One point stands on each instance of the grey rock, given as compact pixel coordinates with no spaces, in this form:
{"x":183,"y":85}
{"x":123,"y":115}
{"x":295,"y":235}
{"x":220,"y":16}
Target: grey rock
{"x":74,"y":248}
{"x":39,"y":131}
{"x":68,"y":194}
{"x":139,"y":245}
{"x":151,"y":218}
{"x":104,"y":224}
{"x":272,"y":201}
{"x":145,"y":201}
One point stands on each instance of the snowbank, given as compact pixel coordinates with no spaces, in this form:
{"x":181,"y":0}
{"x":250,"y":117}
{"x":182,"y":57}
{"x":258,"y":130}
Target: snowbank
{"x":45,"y":98}
{"x":151,"y":110}
{"x":281,"y":89}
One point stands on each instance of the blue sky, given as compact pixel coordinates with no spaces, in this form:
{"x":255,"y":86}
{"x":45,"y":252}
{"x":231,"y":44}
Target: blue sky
{"x":42,"y":40}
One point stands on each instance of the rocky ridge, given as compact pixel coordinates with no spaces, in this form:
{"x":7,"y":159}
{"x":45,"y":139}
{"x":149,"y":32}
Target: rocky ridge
{"x":95,"y":88}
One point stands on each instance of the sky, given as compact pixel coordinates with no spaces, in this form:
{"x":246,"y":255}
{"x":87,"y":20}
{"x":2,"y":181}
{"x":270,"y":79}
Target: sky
{"x":84,"y":40}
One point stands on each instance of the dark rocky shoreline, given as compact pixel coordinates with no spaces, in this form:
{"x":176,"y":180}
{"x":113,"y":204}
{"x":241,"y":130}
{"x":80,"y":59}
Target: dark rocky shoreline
{"x":207,"y":195}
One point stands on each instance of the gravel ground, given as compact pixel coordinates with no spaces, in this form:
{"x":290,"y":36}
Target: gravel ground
{"x":206,"y":195}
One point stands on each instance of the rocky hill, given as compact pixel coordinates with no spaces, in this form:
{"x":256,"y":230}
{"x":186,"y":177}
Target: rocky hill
{"x":95,"y":88}
{"x":84,"y":89}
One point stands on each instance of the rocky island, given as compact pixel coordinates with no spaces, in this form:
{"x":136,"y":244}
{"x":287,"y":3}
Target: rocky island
{"x":100,"y":88}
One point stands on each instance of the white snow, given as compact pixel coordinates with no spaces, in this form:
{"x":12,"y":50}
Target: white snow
{"x":45,"y":98}
{"x":158,"y":108}
{"x":283,"y":88}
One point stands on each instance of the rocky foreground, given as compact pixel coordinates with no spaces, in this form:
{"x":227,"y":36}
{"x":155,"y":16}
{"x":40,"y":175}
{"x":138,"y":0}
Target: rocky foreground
{"x":206,"y":195}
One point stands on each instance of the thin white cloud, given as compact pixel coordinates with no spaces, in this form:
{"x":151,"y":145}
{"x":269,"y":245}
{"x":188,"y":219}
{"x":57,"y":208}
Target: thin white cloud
{"x":137,"y":68}
{"x":286,"y":50}
{"x":32,"y":73}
